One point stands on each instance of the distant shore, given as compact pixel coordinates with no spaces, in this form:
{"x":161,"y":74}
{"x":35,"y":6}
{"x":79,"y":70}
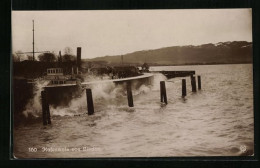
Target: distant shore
{"x":200,"y":64}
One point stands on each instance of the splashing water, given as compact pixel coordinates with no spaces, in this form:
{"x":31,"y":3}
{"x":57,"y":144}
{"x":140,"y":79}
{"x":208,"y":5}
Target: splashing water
{"x":103,"y":94}
{"x":33,"y":107}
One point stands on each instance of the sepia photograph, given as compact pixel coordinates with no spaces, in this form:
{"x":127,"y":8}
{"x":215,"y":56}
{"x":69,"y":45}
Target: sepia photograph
{"x":132,"y":83}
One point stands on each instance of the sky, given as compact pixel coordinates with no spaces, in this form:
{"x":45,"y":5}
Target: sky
{"x":116,"y":32}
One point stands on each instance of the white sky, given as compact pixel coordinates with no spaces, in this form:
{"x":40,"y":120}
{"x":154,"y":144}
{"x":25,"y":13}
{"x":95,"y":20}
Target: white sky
{"x":115,"y":32}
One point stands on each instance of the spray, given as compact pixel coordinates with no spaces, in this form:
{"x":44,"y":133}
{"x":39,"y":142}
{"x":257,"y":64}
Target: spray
{"x":33,"y":107}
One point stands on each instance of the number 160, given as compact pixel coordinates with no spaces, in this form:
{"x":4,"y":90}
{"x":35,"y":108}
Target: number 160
{"x":32,"y":149}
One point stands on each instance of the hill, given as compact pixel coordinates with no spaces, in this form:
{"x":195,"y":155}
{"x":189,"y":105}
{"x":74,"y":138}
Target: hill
{"x":220,"y":53}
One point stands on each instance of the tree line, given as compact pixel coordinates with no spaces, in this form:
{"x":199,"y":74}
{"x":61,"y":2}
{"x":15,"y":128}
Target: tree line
{"x":68,"y":56}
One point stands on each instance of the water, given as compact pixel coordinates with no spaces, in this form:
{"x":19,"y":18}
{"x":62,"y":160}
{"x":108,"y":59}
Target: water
{"x":216,"y":121}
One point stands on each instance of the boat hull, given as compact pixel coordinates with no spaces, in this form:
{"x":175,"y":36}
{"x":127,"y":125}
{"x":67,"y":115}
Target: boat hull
{"x":64,"y":93}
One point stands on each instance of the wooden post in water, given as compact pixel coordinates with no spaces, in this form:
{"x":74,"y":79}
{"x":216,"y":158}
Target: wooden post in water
{"x":184,"y":92}
{"x":163,"y":92}
{"x":90,"y":102}
{"x":195,"y":84}
{"x":191,"y":79}
{"x":199,"y":83}
{"x":47,"y":108}
{"x":194,"y":89}
{"x":129,"y":95}
{"x":44,"y":119}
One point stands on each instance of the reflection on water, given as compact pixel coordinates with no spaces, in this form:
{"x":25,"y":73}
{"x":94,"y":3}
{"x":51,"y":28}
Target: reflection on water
{"x":216,"y":121}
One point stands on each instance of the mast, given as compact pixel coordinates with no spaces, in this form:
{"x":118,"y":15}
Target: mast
{"x":33,"y":40}
{"x":33,"y":52}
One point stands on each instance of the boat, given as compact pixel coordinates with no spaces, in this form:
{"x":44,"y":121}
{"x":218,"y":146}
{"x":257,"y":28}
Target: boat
{"x":56,"y":77}
{"x":62,"y":88}
{"x":117,"y":74}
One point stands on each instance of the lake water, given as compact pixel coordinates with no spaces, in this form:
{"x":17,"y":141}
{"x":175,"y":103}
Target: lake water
{"x":216,"y":121}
